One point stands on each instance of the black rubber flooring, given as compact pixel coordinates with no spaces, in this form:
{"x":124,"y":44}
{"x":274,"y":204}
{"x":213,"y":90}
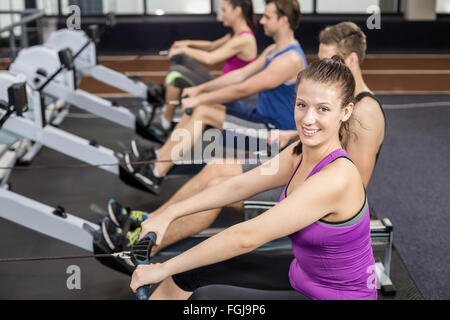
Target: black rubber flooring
{"x":82,"y":192}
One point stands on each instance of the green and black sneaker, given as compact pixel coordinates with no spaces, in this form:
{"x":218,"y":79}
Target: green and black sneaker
{"x":120,"y":215}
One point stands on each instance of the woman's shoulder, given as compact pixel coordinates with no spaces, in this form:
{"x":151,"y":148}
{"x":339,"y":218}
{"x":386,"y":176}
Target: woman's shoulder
{"x":342,"y":172}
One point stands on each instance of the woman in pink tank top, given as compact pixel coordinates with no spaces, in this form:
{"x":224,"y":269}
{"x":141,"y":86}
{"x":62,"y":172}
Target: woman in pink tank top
{"x":323,"y":209}
{"x":237,"y":49}
{"x":233,"y":48}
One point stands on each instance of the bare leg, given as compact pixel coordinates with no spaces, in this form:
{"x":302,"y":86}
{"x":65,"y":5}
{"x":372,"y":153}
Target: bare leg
{"x":212,"y":115}
{"x":168,"y":290}
{"x":184,"y":227}
{"x":172,"y":94}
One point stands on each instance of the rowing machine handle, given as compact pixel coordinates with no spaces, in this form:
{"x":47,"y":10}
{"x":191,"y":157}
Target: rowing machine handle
{"x":143,"y":293}
{"x":188,"y":111}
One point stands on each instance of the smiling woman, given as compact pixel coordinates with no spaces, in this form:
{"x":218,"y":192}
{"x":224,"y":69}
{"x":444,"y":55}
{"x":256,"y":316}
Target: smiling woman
{"x":323,"y":209}
{"x":310,"y":114}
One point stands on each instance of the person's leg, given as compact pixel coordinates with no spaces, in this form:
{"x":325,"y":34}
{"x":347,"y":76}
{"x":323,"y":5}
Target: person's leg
{"x":261,"y":271}
{"x":212,"y":174}
{"x":194,"y":126}
{"x":172,"y":94}
{"x":168,"y":290}
{"x":224,"y":292}
{"x":185,"y":72}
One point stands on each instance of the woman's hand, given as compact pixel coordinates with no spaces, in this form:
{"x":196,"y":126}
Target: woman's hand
{"x":181,"y":43}
{"x":147,"y":274}
{"x":157,"y":223}
{"x":175,"y":51}
{"x":189,"y":103}
{"x":191,"y":91}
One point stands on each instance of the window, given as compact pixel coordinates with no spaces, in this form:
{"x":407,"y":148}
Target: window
{"x":306,"y":6}
{"x":443,"y":6}
{"x":8,"y":18}
{"x":160,"y":7}
{"x":344,"y":6}
{"x":99,"y":7}
{"x":50,"y":7}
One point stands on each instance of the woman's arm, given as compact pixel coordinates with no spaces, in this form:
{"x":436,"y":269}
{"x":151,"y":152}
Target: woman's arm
{"x":233,"y":77}
{"x":325,"y":192}
{"x":232,"y":47}
{"x":202,"y":44}
{"x":271,"y":174}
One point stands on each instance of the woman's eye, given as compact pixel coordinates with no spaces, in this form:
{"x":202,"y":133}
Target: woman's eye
{"x":323,"y":109}
{"x":301,"y":105}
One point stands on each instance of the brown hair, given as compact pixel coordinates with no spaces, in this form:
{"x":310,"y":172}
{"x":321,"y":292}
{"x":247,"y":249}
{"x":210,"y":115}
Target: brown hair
{"x":348,"y":37}
{"x":247,"y":12}
{"x":290,"y":9}
{"x":332,"y":72}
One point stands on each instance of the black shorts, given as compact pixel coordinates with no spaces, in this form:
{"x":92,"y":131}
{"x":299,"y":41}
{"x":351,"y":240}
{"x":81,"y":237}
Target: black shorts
{"x":249,"y":276}
{"x":186,"y":72}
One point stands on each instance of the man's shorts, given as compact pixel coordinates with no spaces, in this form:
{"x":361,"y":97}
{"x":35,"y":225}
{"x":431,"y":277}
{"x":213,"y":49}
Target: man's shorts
{"x":243,"y":110}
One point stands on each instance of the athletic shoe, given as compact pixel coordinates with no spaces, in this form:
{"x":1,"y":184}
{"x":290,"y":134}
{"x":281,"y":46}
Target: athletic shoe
{"x":117,"y":238}
{"x":154,"y":130}
{"x":142,"y":152}
{"x":147,"y":178}
{"x":121,"y":215}
{"x":134,"y":163}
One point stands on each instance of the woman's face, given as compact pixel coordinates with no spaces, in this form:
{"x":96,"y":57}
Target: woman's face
{"x":318,"y":112}
{"x":229,"y":13}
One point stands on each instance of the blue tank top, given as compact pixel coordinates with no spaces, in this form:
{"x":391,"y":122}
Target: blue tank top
{"x":278,"y":104}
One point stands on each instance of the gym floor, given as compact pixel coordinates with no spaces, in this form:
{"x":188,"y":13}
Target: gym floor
{"x":409,"y":186}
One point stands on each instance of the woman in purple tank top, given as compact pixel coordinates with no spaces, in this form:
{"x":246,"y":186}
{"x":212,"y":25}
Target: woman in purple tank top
{"x":323,"y":209}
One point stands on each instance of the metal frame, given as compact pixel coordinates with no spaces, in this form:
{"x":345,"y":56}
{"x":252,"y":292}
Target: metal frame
{"x":33,"y":15}
{"x":86,"y":61}
{"x":63,"y":86}
{"x":31,"y":127}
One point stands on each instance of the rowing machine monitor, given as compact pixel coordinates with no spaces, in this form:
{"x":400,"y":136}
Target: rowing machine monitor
{"x":17,"y":96}
{"x":94,"y":33}
{"x":66,"y":58}
{"x":110,"y":19}
{"x":17,"y":101}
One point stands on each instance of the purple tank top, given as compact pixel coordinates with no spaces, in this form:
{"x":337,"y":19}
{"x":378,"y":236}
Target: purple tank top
{"x":333,"y":262}
{"x":235,"y":62}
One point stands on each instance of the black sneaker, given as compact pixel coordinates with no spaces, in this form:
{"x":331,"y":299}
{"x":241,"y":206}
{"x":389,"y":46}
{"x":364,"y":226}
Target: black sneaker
{"x":116,"y":238}
{"x":142,"y":152}
{"x":120,"y":215}
{"x":134,"y":164}
{"x":146,"y":177}
{"x":153,"y":131}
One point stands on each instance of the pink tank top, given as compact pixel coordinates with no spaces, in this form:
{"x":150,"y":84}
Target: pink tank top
{"x":235,"y":62}
{"x":334,"y":261}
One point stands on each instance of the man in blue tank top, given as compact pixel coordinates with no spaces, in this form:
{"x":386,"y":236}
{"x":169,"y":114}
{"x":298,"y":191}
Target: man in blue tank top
{"x":272,"y":75}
